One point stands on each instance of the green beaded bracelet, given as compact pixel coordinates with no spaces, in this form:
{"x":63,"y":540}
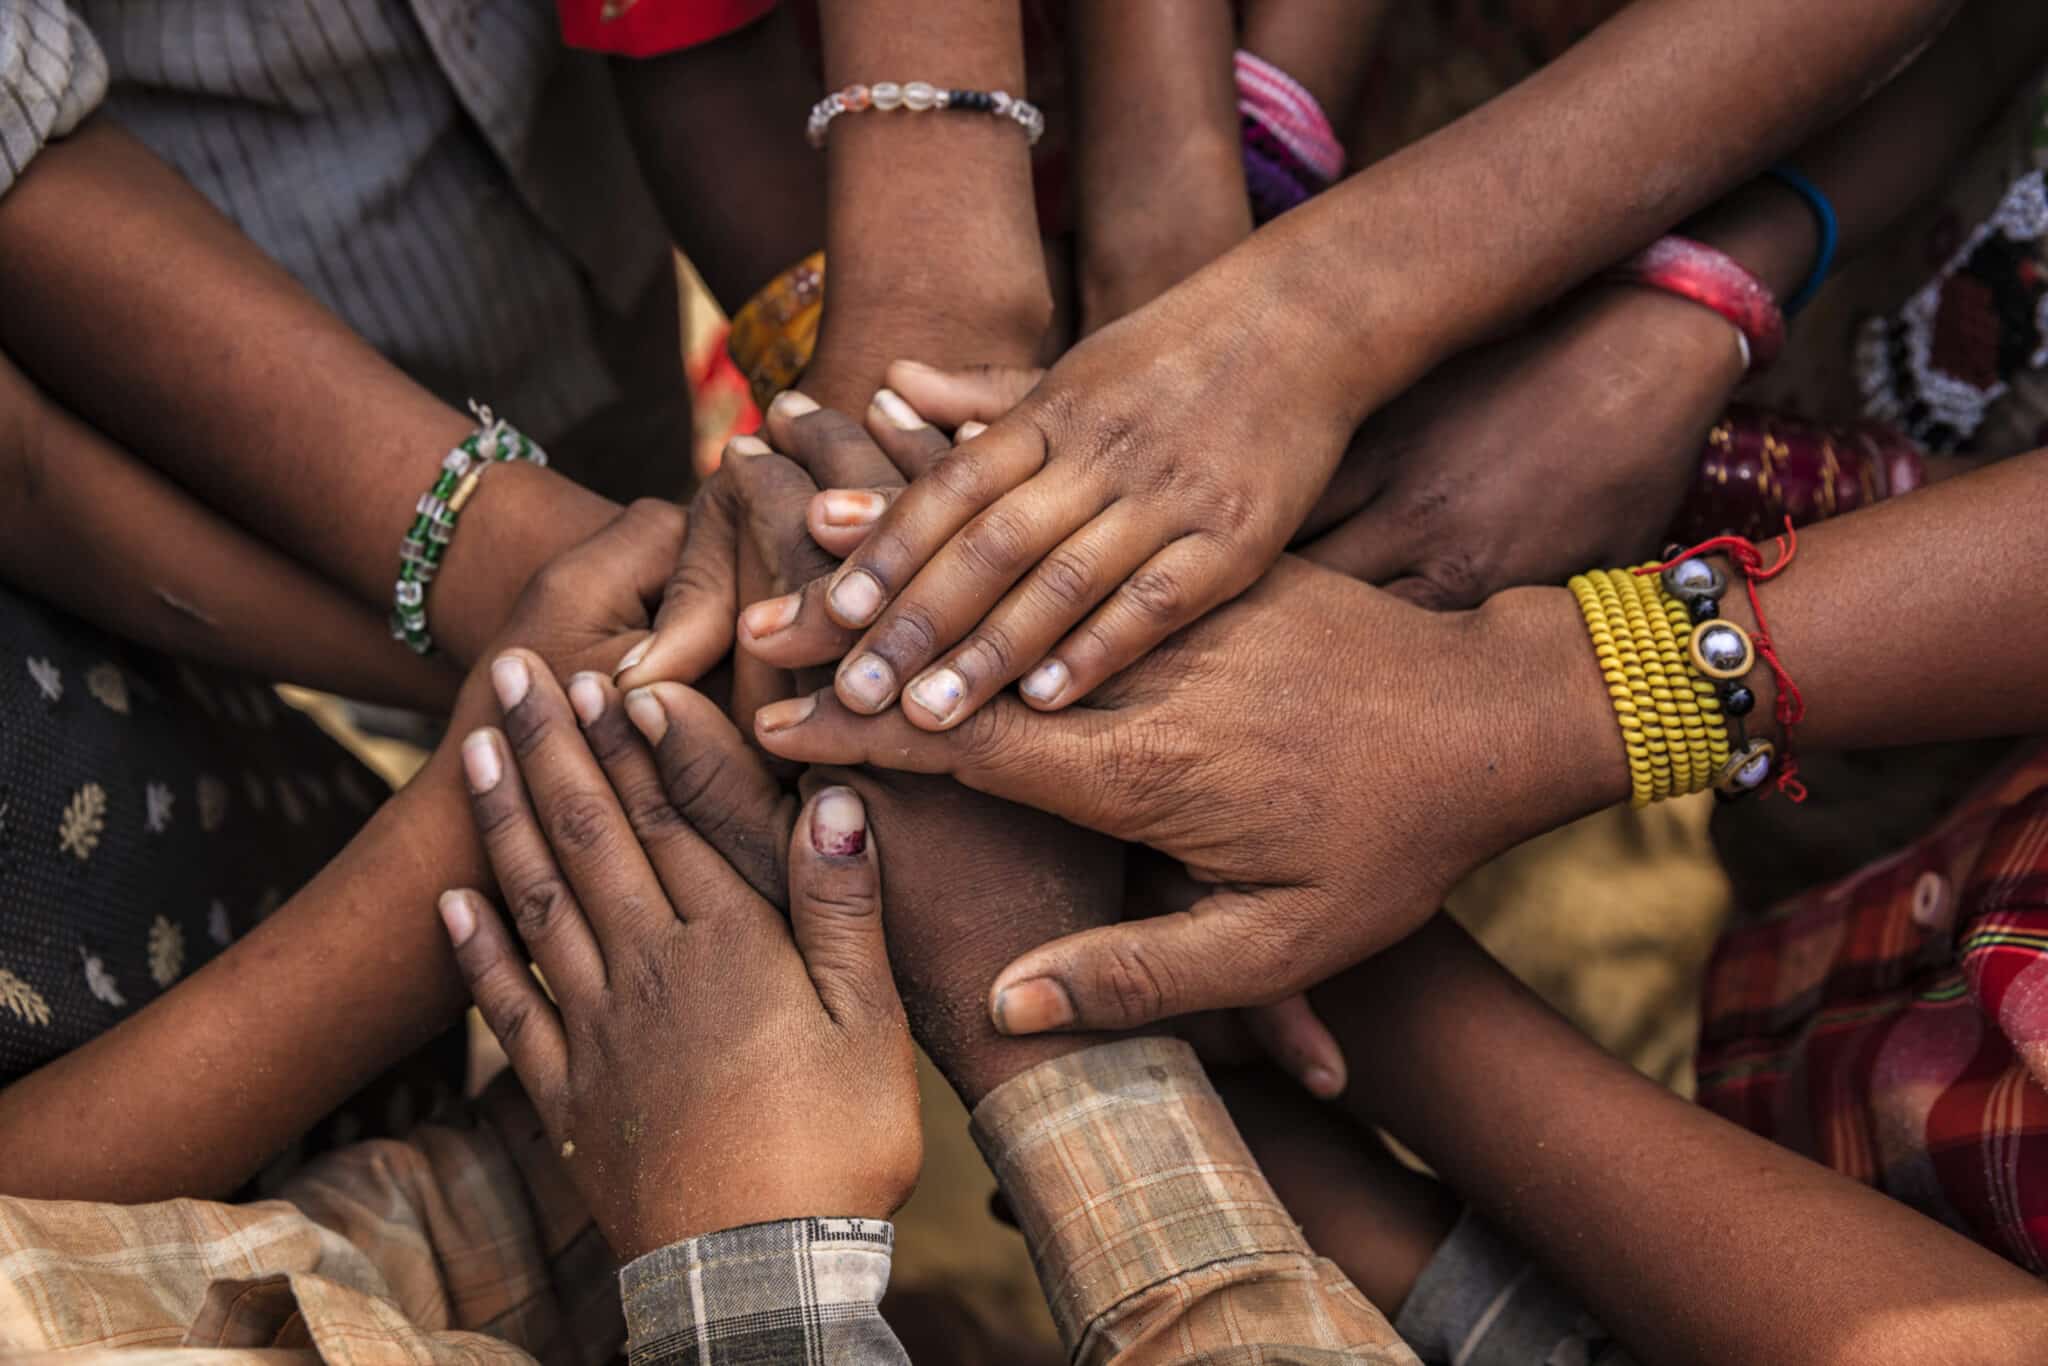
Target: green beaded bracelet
{"x":426,"y":541}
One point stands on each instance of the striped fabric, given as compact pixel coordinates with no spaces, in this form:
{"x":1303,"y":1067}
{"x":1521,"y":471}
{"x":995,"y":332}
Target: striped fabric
{"x":1895,"y":1025}
{"x":439,"y":173}
{"x":51,"y":76}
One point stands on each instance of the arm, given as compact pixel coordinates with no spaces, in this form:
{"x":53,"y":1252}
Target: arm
{"x":1806,"y":1265}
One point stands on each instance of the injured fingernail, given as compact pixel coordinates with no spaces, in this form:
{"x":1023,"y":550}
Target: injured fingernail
{"x":510,"y":680}
{"x":776,"y":614}
{"x":939,"y":693}
{"x":789,"y":405}
{"x":839,"y":823}
{"x":896,"y":412}
{"x":856,"y":598}
{"x":459,"y":916}
{"x":586,"y":696}
{"x":1046,"y":682}
{"x":634,"y":656}
{"x":746,"y":447}
{"x":867,"y":682}
{"x":1032,"y":1007}
{"x":647,"y":714}
{"x":782,"y":715}
{"x":481,"y":763}
{"x":845,"y":508}
{"x":968,"y":430}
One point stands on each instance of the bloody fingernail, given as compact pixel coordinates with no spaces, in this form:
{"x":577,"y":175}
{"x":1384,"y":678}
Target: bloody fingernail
{"x":586,"y":697}
{"x":647,"y":714}
{"x":459,"y":917}
{"x":782,"y":715}
{"x":510,"y":680}
{"x":1046,"y":682}
{"x":868,"y":682}
{"x":481,"y":763}
{"x":896,"y":412}
{"x":856,"y":598}
{"x":940,"y":693}
{"x":844,"y":508}
{"x":790,"y":404}
{"x":634,"y":656}
{"x":1032,"y":1007}
{"x":839,"y":823}
{"x":776,"y":614}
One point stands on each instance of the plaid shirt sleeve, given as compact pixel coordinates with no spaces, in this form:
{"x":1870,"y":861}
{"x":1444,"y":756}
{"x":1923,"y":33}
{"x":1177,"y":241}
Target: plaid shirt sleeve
{"x":1155,"y":1235}
{"x":795,"y":1290}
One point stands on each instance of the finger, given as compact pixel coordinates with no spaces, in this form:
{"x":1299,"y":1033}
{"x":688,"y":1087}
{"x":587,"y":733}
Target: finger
{"x":543,"y":909}
{"x":966,"y":577}
{"x":835,"y":910}
{"x":1176,"y":586}
{"x":723,"y":805}
{"x":794,"y":631}
{"x":1298,"y":1041}
{"x":586,"y":829}
{"x":912,"y":444}
{"x":693,"y":625}
{"x":826,"y":444}
{"x":776,"y":495}
{"x":1131,"y":974}
{"x":1370,"y":547}
{"x":928,"y":514}
{"x":511,"y":1002}
{"x":840,"y":519}
{"x":980,"y":393}
{"x":755,"y":682}
{"x":1022,"y":630}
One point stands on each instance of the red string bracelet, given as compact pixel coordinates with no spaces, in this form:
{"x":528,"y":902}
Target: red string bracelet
{"x":1790,"y":708}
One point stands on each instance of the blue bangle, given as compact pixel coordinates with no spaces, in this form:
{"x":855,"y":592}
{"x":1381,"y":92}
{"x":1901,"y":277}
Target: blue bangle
{"x":1824,"y":219}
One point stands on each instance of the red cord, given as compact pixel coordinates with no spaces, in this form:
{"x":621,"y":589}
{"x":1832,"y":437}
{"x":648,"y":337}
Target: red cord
{"x":1791,"y":706}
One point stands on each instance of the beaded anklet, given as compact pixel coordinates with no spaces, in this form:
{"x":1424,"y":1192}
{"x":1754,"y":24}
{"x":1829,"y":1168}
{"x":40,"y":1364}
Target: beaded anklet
{"x":426,"y":541}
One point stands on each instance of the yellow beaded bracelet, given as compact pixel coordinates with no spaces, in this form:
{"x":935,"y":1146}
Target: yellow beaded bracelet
{"x":1671,"y":723}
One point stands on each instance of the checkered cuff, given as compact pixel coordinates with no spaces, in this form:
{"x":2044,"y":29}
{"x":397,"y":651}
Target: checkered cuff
{"x":795,"y":1290}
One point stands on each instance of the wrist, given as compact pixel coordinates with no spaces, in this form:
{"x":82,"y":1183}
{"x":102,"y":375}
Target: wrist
{"x":522,"y":517}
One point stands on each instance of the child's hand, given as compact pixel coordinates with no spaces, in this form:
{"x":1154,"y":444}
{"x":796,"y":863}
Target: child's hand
{"x":703,"y":1064}
{"x":1143,"y":482}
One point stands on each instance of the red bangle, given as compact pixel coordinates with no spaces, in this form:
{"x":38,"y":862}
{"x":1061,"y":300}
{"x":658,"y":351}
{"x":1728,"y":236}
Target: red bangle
{"x":1693,"y":270}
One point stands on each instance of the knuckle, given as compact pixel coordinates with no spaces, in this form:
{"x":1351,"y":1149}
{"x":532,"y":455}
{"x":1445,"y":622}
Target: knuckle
{"x":657,"y":513}
{"x":997,"y":544}
{"x":912,"y":632}
{"x":1065,"y":580}
{"x":1156,"y":596}
{"x":526,"y":728}
{"x":495,"y":811}
{"x":959,"y":478}
{"x":538,"y":905}
{"x":579,"y":822}
{"x":650,"y":981}
{"x":990,"y":656}
{"x":1450,"y":580}
{"x":1134,"y":981}
{"x":512,"y":1016}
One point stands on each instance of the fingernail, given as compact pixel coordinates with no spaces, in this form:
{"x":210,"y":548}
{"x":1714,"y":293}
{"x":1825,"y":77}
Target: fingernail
{"x":586,"y":697}
{"x":1046,"y":682}
{"x":1322,"y":1083}
{"x":459,"y":916}
{"x":782,"y":715}
{"x":844,"y":508}
{"x":896,"y":412}
{"x":510,"y":680}
{"x":857,"y":597}
{"x":868,"y":682}
{"x":1033,"y":1007}
{"x":647,"y":714}
{"x":634,"y":656}
{"x":480,"y":761}
{"x":968,"y":430}
{"x":776,"y":614}
{"x":746,"y":447}
{"x":790,"y":405}
{"x":917,"y":367}
{"x":939,"y":692}
{"x":839,"y":823}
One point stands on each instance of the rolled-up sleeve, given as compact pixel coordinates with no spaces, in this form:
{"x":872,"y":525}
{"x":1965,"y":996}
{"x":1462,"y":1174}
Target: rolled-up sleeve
{"x":52,"y":74}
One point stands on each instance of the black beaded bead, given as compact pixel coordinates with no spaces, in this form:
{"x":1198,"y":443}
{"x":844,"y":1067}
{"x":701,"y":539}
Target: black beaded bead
{"x":1704,"y":609}
{"x":1738,"y":701}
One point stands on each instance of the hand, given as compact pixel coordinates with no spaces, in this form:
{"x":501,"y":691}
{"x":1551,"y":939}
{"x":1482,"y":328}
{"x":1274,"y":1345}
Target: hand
{"x":1522,"y":462}
{"x":1328,"y":759}
{"x":702,"y":1064}
{"x":1145,"y":473}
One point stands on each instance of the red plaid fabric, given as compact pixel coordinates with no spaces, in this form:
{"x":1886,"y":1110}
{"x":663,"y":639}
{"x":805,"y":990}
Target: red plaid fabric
{"x":1895,"y":1025}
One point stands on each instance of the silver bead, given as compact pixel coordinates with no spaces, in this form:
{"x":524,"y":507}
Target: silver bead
{"x":887,"y":95}
{"x":409,"y":594}
{"x":1723,"y":647}
{"x":945,"y":100}
{"x":919,"y":95}
{"x":1002,"y":101}
{"x":456,"y":462}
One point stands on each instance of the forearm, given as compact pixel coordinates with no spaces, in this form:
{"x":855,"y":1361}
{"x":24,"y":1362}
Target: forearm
{"x":1159,"y":168}
{"x":141,"y":309}
{"x":94,"y":531}
{"x":1470,"y":229}
{"x":714,"y":119}
{"x":190,"y":1096}
{"x":1634,"y":1199}
{"x":931,"y":237}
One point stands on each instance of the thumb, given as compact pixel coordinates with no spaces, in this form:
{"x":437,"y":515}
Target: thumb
{"x":978,"y":393}
{"x":835,"y":909}
{"x":693,"y":626}
{"x":1127,"y":975}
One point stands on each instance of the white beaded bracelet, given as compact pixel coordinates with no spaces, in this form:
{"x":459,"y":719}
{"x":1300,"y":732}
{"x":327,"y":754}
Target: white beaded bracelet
{"x":919,"y":96}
